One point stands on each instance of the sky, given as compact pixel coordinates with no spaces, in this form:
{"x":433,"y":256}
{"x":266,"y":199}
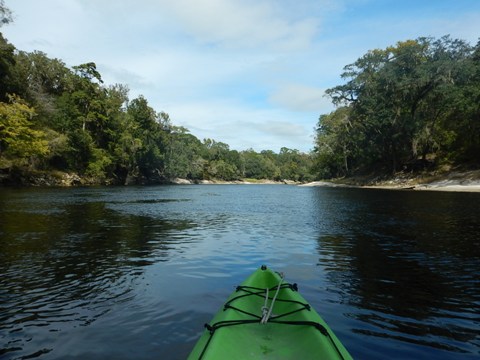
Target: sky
{"x":249,"y":73}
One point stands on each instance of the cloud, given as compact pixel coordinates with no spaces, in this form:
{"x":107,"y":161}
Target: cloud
{"x":244,"y":24}
{"x":282,"y":128}
{"x":300,"y":97}
{"x":35,"y":13}
{"x":244,"y":126}
{"x":120,"y":75}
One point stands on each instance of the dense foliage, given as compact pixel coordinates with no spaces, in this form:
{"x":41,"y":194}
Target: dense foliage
{"x":55,"y":118}
{"x":407,"y":107}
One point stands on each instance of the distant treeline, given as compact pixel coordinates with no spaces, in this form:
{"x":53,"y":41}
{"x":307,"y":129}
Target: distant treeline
{"x":405,"y":108}
{"x":53,"y":118}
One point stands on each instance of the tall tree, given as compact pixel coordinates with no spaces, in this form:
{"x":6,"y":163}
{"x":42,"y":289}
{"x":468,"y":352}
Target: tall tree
{"x":7,"y":62}
{"x":88,"y":95}
{"x":184,"y":155}
{"x":149,"y":130}
{"x":41,"y":80}
{"x":400,"y":100}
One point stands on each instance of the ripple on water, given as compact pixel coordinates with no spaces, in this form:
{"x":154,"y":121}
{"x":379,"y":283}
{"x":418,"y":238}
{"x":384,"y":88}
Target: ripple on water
{"x":135,"y":272}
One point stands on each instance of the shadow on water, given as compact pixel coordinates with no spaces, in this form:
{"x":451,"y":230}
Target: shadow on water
{"x":134,"y":273}
{"x":66,"y":264}
{"x":408,"y":266}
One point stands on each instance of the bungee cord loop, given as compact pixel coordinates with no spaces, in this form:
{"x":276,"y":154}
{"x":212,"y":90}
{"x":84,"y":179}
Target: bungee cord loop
{"x":267,"y":312}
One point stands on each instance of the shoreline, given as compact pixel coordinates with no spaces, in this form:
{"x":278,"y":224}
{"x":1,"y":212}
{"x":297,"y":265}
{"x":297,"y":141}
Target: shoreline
{"x":63,"y":179}
{"x":468,"y":181}
{"x":419,"y":187}
{"x":179,"y":181}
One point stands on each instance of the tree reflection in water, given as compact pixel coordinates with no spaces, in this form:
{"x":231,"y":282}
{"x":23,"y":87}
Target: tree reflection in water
{"x":409,"y":268}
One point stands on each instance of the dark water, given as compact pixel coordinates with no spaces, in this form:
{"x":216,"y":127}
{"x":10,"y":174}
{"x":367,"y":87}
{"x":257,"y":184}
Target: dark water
{"x":133,"y":273}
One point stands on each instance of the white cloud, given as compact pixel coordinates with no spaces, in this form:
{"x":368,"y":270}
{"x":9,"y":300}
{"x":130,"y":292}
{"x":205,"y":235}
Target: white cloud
{"x":300,"y":97}
{"x":242,"y":23}
{"x":243,"y":126}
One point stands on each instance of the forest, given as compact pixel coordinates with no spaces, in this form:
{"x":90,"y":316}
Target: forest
{"x":407,"y":108}
{"x":410,"y":107}
{"x":56,"y":119}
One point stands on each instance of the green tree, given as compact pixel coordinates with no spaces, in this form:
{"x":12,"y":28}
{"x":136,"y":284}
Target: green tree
{"x":216,"y":150}
{"x":124,"y":151}
{"x":224,"y":163}
{"x":258,"y":166}
{"x":402,"y":104}
{"x":81,"y":110}
{"x":80,"y":150}
{"x":40,"y":81}
{"x":150,"y":156}
{"x":18,"y":138}
{"x":458,"y":126}
{"x":88,"y":96}
{"x":294,"y":165}
{"x":220,"y":169}
{"x":335,"y":144}
{"x":7,"y":62}
{"x":184,"y":155}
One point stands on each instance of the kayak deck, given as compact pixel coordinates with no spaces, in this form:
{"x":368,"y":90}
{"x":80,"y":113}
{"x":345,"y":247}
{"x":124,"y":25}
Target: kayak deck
{"x":293,"y":330}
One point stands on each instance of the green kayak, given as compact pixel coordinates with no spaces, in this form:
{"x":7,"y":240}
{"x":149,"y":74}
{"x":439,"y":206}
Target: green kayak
{"x":266,"y":318}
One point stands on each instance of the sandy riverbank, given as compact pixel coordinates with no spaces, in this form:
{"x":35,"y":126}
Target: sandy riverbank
{"x":468,"y":181}
{"x":179,"y":181}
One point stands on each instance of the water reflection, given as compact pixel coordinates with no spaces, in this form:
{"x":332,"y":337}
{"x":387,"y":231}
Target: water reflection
{"x":67,"y":268}
{"x":410,"y":267}
{"x":134,"y":272}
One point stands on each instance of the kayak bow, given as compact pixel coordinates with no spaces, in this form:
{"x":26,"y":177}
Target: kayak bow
{"x":266,"y":318}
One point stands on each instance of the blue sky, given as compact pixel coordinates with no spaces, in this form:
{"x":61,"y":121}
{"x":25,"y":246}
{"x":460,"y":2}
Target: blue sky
{"x":250,"y":73}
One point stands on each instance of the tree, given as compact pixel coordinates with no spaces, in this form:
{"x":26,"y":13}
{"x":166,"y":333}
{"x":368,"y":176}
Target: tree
{"x":18,"y":138}
{"x":335,"y":143}
{"x":294,"y":165}
{"x":220,"y":169}
{"x":40,"y":81}
{"x":401,"y":102}
{"x":150,"y":156}
{"x":258,"y":166}
{"x":7,"y":62}
{"x":224,"y":163}
{"x":124,"y":150}
{"x":184,"y":155}
{"x":88,"y":95}
{"x":216,"y":150}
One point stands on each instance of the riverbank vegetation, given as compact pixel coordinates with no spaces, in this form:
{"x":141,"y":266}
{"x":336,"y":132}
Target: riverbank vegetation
{"x":60,"y":120}
{"x":410,"y":107}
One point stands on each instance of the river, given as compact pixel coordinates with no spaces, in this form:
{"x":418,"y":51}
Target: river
{"x":135,"y":272}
